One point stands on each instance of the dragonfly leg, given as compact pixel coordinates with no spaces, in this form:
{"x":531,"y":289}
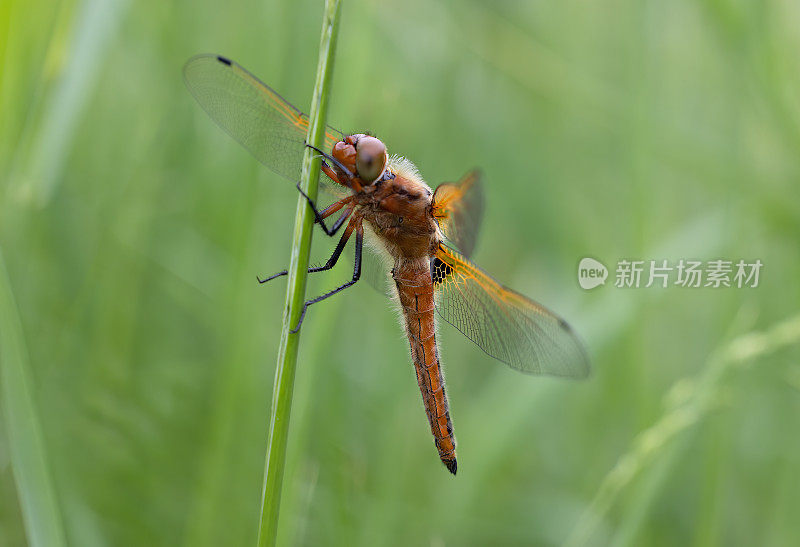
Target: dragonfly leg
{"x":336,"y":252}
{"x":336,"y":162}
{"x":319,"y":216}
{"x":330,"y":173}
{"x":350,"y":181}
{"x":355,"y":222}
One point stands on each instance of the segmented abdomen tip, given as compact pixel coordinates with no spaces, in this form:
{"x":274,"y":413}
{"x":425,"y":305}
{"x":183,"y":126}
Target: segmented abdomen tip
{"x":451,"y":465}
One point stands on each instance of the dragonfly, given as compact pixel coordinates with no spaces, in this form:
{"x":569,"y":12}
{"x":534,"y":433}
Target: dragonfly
{"x":427,"y":234}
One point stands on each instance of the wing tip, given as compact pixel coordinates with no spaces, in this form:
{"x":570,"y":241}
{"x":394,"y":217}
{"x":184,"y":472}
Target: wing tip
{"x":474,"y":176}
{"x":582,"y":368}
{"x":200,"y":57}
{"x":451,"y":465}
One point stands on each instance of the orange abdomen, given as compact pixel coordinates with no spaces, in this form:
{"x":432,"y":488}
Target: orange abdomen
{"x":415,"y":289}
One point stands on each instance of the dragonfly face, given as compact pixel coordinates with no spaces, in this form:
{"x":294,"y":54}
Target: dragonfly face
{"x":362,"y":155}
{"x":429,"y":236}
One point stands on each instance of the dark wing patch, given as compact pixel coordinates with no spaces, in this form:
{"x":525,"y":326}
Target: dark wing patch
{"x":506,"y":325}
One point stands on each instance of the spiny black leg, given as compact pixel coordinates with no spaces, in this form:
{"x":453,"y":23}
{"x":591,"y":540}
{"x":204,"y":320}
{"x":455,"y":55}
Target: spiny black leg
{"x":318,"y":215}
{"x":337,"y":252}
{"x":270,"y":278}
{"x":332,"y":160}
{"x":340,"y":221}
{"x":356,"y":276}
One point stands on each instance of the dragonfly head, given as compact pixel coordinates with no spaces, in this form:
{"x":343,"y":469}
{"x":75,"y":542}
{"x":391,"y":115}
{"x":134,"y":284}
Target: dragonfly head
{"x":363,"y":155}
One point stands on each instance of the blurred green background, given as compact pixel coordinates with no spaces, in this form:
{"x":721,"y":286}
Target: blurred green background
{"x":132,"y":230}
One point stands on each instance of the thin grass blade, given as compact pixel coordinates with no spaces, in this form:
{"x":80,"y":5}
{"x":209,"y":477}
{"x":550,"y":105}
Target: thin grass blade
{"x":37,"y":499}
{"x":295,"y":294}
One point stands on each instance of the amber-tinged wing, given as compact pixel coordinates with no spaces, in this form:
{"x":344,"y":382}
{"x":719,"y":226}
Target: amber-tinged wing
{"x":506,"y":325}
{"x":252,"y":113}
{"x":458,"y":208}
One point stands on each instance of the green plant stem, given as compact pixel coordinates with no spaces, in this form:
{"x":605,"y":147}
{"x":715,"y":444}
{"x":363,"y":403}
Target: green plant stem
{"x":295,"y":294}
{"x":37,"y":499}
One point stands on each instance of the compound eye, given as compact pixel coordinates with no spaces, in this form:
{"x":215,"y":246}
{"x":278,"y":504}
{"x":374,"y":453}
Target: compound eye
{"x":370,"y":159}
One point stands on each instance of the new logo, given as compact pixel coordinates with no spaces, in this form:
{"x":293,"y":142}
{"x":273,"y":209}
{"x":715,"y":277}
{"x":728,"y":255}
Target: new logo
{"x":591,"y":273}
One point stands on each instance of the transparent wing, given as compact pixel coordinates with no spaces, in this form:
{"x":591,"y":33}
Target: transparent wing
{"x":506,"y":325}
{"x":458,"y":208}
{"x":376,"y":265}
{"x":251,"y":112}
{"x":268,"y":126}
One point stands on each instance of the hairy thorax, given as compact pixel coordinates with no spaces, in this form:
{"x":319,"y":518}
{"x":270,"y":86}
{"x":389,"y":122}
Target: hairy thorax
{"x":399,"y":211}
